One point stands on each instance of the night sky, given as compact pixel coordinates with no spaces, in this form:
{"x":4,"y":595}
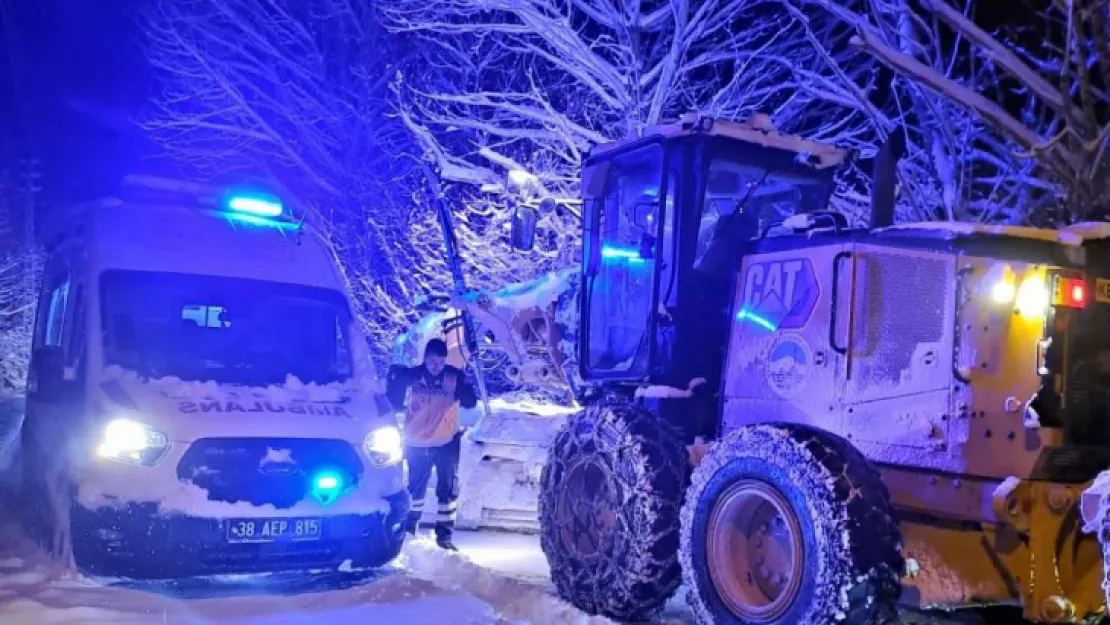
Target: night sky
{"x":73,"y":78}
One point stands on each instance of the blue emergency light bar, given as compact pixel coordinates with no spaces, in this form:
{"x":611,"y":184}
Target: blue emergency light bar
{"x":255,"y":205}
{"x":239,"y":205}
{"x":257,"y":209}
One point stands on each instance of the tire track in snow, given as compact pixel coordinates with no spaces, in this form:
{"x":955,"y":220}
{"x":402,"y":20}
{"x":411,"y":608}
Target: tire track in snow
{"x":518,"y":602}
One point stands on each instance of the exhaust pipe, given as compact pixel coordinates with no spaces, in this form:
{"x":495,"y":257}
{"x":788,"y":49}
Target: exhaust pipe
{"x":885,"y":179}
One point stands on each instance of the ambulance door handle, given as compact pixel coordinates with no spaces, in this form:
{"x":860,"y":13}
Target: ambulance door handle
{"x":835,"y":301}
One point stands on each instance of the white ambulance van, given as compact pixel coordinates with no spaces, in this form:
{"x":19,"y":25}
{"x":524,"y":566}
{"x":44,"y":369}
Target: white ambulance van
{"x":200,"y":398}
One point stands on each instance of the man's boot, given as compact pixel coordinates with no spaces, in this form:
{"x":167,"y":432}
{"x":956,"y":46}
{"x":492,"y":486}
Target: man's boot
{"x":444,"y":539}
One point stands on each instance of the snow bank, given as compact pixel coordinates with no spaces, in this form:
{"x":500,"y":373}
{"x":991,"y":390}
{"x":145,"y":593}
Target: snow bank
{"x":657,"y":391}
{"x":11,"y":417}
{"x":524,"y":422}
{"x":540,"y":293}
{"x":517,"y":601}
{"x":1094,"y":501}
{"x":32,"y":592}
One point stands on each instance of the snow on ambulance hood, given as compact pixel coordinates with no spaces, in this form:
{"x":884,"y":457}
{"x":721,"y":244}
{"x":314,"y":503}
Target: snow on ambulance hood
{"x":210,"y":409}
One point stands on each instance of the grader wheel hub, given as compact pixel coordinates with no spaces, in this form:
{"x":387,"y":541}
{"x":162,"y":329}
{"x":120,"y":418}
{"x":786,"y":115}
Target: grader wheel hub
{"x":1058,"y":610}
{"x":587,"y":509}
{"x":755,"y":551}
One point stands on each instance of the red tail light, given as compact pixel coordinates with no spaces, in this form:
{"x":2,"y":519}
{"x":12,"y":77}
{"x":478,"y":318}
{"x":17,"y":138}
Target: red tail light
{"x":1069,"y":292}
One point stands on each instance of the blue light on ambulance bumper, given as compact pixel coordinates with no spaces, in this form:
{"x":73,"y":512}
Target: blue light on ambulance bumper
{"x":327,"y":486}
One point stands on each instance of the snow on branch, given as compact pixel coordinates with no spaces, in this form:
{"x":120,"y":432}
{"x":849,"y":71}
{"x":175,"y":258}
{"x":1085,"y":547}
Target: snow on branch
{"x":1058,"y":65}
{"x":20,"y":265}
{"x":535,"y":83}
{"x":296,"y":95}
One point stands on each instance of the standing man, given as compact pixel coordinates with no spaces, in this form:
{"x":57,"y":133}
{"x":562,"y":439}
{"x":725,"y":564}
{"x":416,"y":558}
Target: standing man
{"x":433,"y":436}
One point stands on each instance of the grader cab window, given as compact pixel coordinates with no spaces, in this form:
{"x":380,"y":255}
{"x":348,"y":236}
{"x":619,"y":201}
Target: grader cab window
{"x":623,"y":196}
{"x":746,"y":198}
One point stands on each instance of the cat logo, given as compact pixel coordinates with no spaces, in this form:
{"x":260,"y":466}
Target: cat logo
{"x":783,"y":291}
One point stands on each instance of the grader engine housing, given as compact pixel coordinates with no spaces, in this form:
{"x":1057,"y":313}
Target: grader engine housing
{"x":802,"y":421}
{"x":943,"y":355}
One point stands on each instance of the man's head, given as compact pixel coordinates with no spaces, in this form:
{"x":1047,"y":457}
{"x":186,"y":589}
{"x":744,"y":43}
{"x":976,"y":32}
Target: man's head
{"x":435,"y":356}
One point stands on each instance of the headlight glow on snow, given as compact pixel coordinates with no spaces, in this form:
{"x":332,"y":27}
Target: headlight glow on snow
{"x":1032,"y":297}
{"x":130,"y":441}
{"x":383,"y":446}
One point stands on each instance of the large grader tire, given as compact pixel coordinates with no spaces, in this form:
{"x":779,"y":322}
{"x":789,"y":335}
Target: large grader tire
{"x":610,"y":498}
{"x":786,"y":524}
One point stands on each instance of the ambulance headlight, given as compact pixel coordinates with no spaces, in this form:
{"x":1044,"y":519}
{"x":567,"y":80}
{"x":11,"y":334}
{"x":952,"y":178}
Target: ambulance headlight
{"x":383,"y":446}
{"x":125,"y":440}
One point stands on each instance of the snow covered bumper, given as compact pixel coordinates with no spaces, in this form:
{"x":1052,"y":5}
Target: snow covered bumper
{"x":138,"y":540}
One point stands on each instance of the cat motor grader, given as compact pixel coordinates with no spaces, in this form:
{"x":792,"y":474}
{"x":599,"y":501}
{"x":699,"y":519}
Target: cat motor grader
{"x":900,"y":414}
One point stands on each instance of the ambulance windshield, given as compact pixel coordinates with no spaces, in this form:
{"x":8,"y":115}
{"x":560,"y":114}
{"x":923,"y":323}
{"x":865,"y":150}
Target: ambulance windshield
{"x":228,"y":330}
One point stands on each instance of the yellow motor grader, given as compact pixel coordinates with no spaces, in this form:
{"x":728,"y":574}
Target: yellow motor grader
{"x":804,"y":422}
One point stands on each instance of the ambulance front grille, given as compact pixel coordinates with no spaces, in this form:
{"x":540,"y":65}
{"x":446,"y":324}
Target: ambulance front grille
{"x":260,"y":471}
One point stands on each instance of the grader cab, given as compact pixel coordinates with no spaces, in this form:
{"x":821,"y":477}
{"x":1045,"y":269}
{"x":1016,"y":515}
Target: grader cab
{"x":897,"y":415}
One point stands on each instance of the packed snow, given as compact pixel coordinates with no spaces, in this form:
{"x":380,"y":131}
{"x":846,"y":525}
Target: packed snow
{"x":1073,"y":235}
{"x":498,"y":578}
{"x":426,"y":585}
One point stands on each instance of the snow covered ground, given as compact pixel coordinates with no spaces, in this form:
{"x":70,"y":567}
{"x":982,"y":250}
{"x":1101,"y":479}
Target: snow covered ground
{"x":426,"y":585}
{"x":499,"y":578}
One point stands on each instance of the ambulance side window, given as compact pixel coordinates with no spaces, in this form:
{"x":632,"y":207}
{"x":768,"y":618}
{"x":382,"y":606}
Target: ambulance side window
{"x":52,"y":311}
{"x":75,"y":341}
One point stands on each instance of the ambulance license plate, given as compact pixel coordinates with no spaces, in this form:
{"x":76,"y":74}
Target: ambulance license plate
{"x":272,"y":530}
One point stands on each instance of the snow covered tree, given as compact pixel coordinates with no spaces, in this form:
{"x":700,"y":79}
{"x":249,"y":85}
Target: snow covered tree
{"x":531,"y":85}
{"x":1050,"y":100}
{"x":19,"y":270}
{"x":957,"y":166}
{"x":294,"y":94}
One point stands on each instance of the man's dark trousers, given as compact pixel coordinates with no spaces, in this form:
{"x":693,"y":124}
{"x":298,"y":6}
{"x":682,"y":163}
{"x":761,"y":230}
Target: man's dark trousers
{"x":445,"y":460}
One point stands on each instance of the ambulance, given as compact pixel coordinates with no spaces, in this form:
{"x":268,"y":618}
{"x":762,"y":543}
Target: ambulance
{"x":200,"y":397}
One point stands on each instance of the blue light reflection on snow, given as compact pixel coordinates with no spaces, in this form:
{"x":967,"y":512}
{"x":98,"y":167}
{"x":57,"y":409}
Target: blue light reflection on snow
{"x":262,"y":222}
{"x":763,"y":322}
